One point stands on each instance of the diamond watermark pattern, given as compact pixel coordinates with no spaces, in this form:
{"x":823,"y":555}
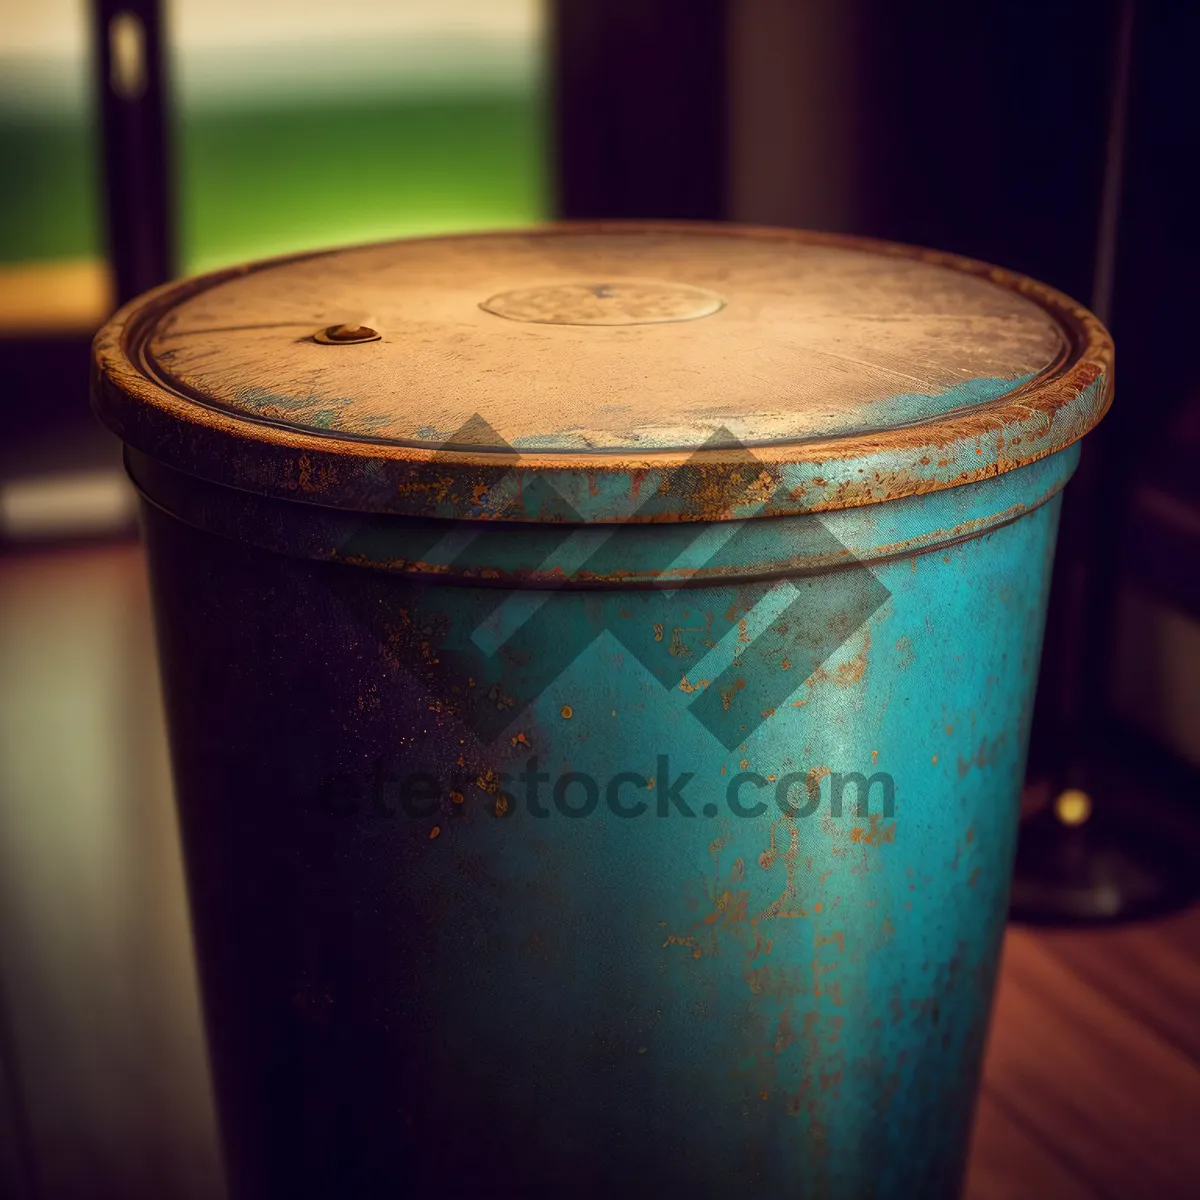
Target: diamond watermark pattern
{"x":781,"y":630}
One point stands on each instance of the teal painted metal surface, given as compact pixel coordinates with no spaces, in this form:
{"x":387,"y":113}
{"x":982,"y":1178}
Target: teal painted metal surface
{"x":729,"y":990}
{"x":667,"y":956}
{"x":657,"y":855}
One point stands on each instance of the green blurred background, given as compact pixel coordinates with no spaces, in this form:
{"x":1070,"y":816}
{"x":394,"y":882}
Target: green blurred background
{"x":296,"y":124}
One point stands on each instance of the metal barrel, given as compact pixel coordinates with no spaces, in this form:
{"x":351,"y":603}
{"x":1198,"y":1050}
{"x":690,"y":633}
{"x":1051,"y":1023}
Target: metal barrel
{"x":619,"y":791}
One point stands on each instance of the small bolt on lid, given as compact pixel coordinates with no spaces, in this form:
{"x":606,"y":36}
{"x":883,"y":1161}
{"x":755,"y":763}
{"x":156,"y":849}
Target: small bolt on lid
{"x":345,"y":335}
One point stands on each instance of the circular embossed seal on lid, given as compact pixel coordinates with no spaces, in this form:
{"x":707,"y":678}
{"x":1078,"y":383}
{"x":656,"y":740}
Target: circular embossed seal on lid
{"x":620,"y":302}
{"x":596,"y":366}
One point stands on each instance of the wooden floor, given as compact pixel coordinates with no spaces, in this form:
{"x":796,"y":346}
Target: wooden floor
{"x":1092,"y":1082}
{"x":1092,"y":1085}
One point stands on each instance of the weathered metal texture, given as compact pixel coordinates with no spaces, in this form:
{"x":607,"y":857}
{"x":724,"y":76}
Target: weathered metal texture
{"x":702,"y":1003}
{"x":857,"y":371}
{"x":642,"y":554}
{"x":687,"y":962}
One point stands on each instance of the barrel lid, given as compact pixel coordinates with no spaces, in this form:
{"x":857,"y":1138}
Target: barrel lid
{"x":603,"y":372}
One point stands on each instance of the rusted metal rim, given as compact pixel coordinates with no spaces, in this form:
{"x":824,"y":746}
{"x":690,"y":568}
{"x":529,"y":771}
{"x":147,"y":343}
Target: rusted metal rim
{"x":815,"y":474}
{"x":509,"y":554}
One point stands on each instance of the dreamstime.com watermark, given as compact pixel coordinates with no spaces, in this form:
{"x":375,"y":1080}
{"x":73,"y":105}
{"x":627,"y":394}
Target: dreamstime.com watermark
{"x":661,"y":793}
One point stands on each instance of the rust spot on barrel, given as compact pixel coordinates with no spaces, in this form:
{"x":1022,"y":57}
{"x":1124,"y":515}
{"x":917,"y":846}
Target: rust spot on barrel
{"x":986,"y":754}
{"x":873,"y":834}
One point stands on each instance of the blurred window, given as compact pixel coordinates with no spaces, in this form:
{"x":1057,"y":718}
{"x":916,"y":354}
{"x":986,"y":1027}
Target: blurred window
{"x":52,"y":274}
{"x":297,"y":123}
{"x":302,"y":123}
{"x":49,"y":205}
